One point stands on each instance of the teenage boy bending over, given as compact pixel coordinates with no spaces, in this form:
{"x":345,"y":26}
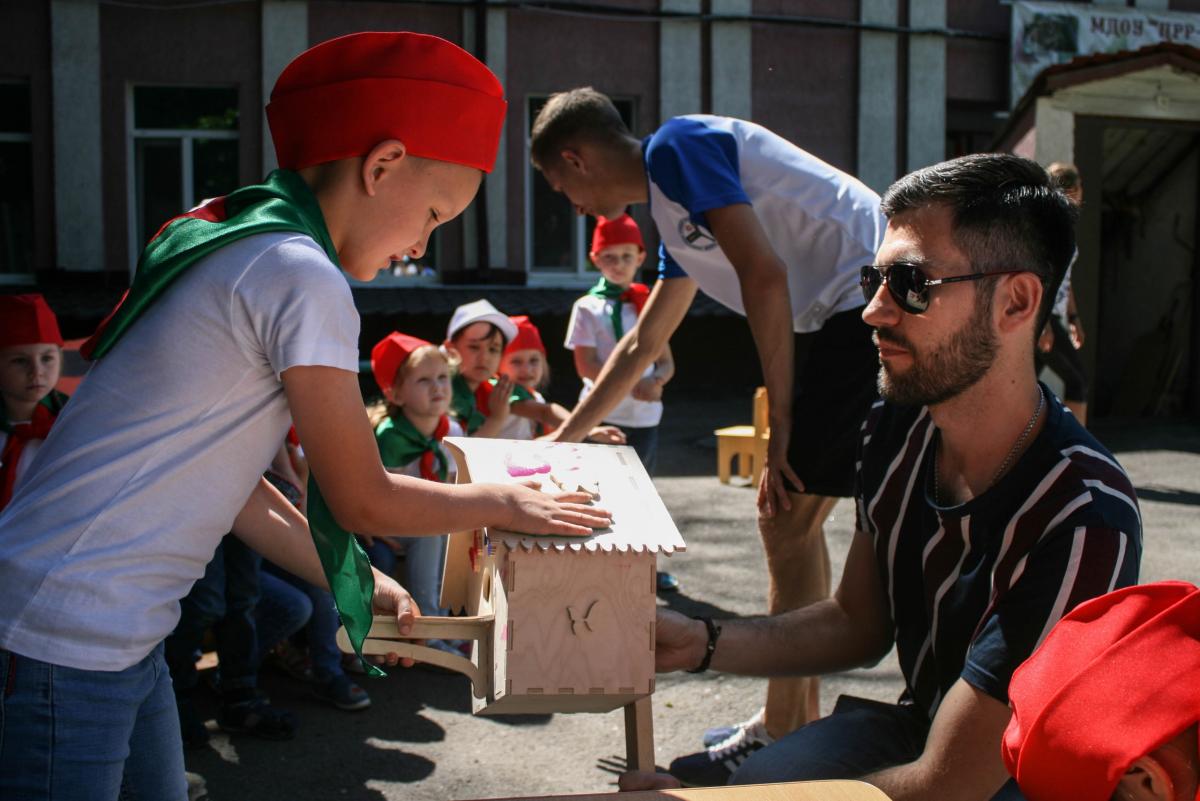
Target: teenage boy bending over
{"x":776,"y":234}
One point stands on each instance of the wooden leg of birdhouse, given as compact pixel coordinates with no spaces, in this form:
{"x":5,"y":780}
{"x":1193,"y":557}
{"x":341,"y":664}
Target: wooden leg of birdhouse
{"x":639,"y":735}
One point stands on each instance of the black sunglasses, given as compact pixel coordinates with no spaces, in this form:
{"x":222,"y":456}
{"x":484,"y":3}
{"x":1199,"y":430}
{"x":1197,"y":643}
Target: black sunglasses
{"x":909,"y":286}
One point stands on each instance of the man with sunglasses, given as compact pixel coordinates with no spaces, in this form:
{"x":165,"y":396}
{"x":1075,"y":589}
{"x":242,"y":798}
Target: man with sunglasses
{"x":985,"y":512}
{"x":777,"y":235}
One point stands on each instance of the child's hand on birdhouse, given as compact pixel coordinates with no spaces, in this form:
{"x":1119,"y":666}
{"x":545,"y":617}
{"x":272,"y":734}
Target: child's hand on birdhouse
{"x":607,"y":435}
{"x":564,"y":514}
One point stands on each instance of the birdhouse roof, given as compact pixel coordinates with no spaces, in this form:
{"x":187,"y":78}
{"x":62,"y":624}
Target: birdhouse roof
{"x":612,"y":473}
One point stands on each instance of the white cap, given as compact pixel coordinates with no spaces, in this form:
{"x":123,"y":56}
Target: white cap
{"x":480,"y":311}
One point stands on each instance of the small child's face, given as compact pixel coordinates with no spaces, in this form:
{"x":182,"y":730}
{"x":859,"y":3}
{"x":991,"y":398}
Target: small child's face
{"x":480,"y":348}
{"x":619,"y":263}
{"x":526,"y":367}
{"x":424,"y":389}
{"x":29,"y":372}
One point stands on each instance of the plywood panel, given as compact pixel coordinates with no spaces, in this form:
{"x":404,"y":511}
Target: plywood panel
{"x":580,"y":623}
{"x":796,"y":791}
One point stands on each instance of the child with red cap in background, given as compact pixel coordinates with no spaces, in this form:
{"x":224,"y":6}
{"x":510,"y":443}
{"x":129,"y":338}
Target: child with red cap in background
{"x":414,"y":377}
{"x":1108,"y":705}
{"x":524,"y":362}
{"x":30,"y":363}
{"x":239,"y":320}
{"x":485,"y":396}
{"x":600,"y":319}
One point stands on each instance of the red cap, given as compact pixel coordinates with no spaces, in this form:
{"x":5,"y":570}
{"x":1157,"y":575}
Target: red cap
{"x":527,"y":338}
{"x":1114,"y":680}
{"x":391,"y":352}
{"x":27,"y":320}
{"x":339,"y":99}
{"x":617,"y":231}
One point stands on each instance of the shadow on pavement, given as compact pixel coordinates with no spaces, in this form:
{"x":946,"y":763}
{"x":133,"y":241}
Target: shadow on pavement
{"x":1168,"y":495}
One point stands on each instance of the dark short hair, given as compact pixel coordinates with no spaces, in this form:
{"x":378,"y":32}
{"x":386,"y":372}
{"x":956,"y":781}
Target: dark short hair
{"x":569,"y":117}
{"x":1007,"y":214}
{"x":493,"y":331}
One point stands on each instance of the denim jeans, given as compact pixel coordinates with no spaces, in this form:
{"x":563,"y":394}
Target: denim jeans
{"x":423,"y":560}
{"x":644,"y":442}
{"x":282,"y":610}
{"x":224,"y":598}
{"x":88,"y":735}
{"x":322,"y":627}
{"x":859,"y":738}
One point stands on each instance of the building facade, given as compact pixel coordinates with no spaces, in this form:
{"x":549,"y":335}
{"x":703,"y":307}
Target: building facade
{"x":122,"y":114}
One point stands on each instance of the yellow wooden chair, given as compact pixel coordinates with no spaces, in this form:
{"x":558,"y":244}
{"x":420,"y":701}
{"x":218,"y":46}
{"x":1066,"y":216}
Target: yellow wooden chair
{"x":748,"y":444}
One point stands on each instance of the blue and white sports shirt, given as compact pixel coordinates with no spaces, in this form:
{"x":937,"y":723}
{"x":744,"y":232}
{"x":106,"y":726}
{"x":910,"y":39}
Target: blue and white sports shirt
{"x":823,"y":223}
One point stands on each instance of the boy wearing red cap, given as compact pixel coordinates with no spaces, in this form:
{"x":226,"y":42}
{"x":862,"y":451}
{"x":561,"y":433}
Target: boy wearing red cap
{"x":30,"y":363}
{"x":1108,"y":705}
{"x":238,"y":321}
{"x":600,"y":319}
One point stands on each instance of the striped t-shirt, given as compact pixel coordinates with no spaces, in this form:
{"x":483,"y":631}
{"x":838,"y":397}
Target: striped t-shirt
{"x":974,"y":588}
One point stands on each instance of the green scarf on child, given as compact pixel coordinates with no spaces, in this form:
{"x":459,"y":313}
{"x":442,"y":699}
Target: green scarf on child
{"x":634,"y":293}
{"x":282,"y":203}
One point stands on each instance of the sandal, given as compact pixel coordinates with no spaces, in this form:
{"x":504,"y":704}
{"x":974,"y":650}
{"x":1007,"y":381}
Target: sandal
{"x":254,"y":715}
{"x":342,"y":692}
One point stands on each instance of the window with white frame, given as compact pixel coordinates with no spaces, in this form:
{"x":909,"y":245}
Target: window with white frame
{"x":183,"y":148}
{"x":556,"y":238}
{"x":16,"y":181}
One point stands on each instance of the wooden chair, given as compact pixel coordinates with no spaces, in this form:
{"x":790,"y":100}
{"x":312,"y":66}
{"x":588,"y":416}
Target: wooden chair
{"x":796,"y":791}
{"x":748,"y":444}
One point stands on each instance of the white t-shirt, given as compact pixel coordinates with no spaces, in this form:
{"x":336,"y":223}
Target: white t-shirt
{"x":148,"y":465}
{"x":823,"y":223}
{"x":591,"y":326}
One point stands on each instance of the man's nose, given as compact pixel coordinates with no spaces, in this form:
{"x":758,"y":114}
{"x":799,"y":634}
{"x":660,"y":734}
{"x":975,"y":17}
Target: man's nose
{"x":882,"y":310}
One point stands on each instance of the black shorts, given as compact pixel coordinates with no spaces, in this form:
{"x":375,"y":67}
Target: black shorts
{"x":836,"y":370}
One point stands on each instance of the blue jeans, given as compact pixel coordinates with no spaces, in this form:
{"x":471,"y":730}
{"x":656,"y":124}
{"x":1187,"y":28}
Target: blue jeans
{"x":88,"y":735}
{"x":644,"y":442}
{"x":282,"y":610}
{"x":423,"y":560}
{"x":224,"y":598}
{"x":859,"y":738}
{"x":322,"y":627}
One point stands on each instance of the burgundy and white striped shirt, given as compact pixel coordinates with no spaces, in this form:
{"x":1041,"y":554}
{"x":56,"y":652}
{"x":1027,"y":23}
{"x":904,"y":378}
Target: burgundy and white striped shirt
{"x":974,"y":588}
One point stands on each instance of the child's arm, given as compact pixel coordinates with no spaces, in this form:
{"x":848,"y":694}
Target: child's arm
{"x":550,"y":415}
{"x":270,"y":525}
{"x":328,"y":411}
{"x":650,"y":388}
{"x":587,"y":363}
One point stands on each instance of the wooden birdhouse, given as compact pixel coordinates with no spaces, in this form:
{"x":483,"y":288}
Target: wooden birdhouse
{"x":558,"y":624}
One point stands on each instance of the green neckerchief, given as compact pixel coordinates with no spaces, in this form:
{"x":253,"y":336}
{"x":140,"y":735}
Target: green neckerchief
{"x":54,"y":401}
{"x":463,"y":405}
{"x":283,"y":203}
{"x":405,"y":444}
{"x":608,"y":290}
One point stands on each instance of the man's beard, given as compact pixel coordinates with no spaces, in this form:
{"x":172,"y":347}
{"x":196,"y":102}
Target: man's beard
{"x":946,"y":371}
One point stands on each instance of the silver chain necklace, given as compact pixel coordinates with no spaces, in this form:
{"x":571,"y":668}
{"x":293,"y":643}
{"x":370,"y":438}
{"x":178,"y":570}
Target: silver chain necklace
{"x":937,"y":494}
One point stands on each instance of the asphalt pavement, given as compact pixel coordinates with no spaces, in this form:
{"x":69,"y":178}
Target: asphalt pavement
{"x":419,"y":740}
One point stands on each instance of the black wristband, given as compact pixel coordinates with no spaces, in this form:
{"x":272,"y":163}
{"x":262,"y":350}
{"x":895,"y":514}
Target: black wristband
{"x":714,"y":632}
